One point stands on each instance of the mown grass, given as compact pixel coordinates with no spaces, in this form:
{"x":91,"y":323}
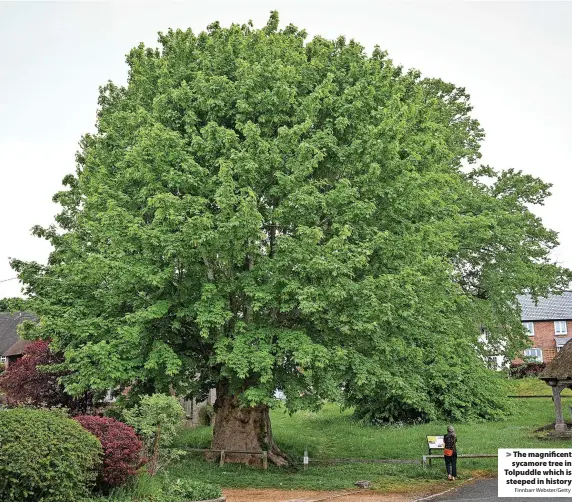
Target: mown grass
{"x":386,"y":477}
{"x":333,"y":434}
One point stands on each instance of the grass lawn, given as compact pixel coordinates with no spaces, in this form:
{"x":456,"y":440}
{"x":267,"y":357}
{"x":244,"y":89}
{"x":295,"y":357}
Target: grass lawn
{"x":331,"y":434}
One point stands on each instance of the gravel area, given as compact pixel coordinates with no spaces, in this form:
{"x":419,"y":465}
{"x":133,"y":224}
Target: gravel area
{"x":259,"y":495}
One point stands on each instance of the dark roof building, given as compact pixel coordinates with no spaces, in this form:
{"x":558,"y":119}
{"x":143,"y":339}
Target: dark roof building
{"x":11,"y":345}
{"x":552,"y":308}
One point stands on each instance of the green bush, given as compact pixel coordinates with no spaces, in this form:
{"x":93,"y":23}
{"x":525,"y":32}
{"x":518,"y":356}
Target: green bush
{"x":157,"y":419}
{"x":45,"y":457}
{"x":206,"y":414}
{"x":186,"y":490}
{"x":147,"y":488}
{"x":439,"y":389}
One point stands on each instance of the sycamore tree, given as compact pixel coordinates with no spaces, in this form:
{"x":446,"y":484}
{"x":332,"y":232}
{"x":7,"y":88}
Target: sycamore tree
{"x":257,"y":211}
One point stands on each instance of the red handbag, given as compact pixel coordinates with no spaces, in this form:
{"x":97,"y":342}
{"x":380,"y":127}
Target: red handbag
{"x":448,"y":452}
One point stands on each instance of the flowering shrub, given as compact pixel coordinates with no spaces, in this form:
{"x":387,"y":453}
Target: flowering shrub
{"x":529,"y":369}
{"x":121,"y":448}
{"x":24,"y":382}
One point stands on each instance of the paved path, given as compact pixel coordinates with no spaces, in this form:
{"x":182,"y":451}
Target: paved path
{"x":485,"y":490}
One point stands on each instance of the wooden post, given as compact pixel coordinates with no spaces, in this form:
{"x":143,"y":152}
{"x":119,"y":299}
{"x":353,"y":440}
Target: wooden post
{"x":221,"y":458}
{"x":265,"y":460}
{"x":560,"y":426}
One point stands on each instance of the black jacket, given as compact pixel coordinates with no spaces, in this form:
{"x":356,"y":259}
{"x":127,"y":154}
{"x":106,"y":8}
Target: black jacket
{"x":450,"y":441}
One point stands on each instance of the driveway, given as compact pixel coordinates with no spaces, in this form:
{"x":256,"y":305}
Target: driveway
{"x":485,"y":490}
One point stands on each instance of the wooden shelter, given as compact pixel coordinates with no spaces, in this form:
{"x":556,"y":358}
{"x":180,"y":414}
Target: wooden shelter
{"x":558,"y":374}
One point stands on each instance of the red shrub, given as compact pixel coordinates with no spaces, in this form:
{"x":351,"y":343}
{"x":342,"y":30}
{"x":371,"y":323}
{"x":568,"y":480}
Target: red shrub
{"x":23,"y":382}
{"x":121,"y":448}
{"x":523,"y":370}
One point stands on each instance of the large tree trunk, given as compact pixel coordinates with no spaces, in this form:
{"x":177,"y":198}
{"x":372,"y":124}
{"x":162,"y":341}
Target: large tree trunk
{"x":243,"y":429}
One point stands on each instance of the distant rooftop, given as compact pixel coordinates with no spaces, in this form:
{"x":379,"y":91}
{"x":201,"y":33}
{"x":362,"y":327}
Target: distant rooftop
{"x":553,"y":308}
{"x":8,"y":324}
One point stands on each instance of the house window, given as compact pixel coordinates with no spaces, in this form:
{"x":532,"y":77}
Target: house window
{"x":3,"y":359}
{"x":529,"y":328}
{"x":534,"y":353}
{"x":492,"y":362}
{"x":560,"y":328}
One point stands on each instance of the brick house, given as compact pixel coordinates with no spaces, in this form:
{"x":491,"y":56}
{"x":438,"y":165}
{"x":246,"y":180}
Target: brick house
{"x":11,"y":345}
{"x":548,"y":323}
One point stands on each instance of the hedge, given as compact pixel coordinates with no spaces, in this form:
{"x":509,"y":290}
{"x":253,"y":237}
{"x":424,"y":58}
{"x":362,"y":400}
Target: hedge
{"x":45,"y":457}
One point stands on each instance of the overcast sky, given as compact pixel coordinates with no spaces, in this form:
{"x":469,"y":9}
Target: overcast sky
{"x":514,"y":58}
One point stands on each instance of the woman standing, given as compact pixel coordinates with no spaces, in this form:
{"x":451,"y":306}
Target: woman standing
{"x":450,"y":453}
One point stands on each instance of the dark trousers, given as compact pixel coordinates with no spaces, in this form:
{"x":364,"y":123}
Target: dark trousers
{"x":451,"y":465}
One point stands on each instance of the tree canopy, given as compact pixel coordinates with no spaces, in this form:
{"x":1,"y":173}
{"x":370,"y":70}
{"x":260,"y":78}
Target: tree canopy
{"x":257,"y":211}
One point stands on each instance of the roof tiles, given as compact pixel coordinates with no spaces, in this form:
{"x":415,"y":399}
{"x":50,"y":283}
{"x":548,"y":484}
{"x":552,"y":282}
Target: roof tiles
{"x":8,"y":324}
{"x":552,"y":308}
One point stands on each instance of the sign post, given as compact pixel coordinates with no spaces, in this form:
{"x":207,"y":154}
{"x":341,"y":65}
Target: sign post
{"x":435,"y":443}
